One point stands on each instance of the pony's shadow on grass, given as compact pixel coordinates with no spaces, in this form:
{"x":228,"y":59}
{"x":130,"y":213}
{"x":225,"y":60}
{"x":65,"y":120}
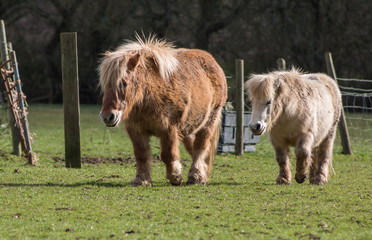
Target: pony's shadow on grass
{"x":265,"y":184}
{"x":225,"y":184}
{"x":88,"y":184}
{"x":68,"y":185}
{"x":247,"y":183}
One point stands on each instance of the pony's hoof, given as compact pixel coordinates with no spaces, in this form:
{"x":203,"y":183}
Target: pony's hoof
{"x":196,"y":180}
{"x":282,"y":181}
{"x":318,"y":180}
{"x":197,"y":176}
{"x":175,"y":180}
{"x":140,"y":182}
{"x":300,"y":178}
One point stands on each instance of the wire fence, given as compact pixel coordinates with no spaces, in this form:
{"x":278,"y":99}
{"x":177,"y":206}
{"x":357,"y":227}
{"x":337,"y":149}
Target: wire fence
{"x":5,"y":135}
{"x":357,"y":101}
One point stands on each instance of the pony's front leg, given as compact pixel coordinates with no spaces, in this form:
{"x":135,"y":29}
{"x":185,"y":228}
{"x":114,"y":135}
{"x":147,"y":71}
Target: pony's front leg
{"x":201,"y":166}
{"x":170,"y":155}
{"x":142,"y":152}
{"x":303,"y":154}
{"x":319,"y":172}
{"x":282,"y":157}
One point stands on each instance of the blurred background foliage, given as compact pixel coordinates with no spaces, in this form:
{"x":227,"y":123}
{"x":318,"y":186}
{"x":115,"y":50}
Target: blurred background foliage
{"x":258,"y":31}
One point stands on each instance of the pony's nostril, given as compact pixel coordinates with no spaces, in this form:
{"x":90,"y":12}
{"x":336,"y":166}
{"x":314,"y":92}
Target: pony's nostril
{"x":258,"y":126}
{"x":111,"y":117}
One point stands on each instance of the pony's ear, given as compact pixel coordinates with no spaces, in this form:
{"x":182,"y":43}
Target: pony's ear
{"x":277,"y":83}
{"x":107,"y":53}
{"x":133,"y":62}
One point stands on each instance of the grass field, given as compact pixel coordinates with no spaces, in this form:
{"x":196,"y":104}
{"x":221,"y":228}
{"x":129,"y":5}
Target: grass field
{"x":242,"y":200}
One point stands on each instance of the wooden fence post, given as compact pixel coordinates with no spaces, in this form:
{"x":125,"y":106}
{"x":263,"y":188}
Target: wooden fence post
{"x":5,"y":57}
{"x":239,"y":72}
{"x":70,"y":82}
{"x":342,"y":126}
{"x":2,"y":59}
{"x":280,"y":62}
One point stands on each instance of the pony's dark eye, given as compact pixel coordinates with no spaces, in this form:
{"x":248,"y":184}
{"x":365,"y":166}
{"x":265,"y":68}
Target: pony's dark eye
{"x":268,"y":102}
{"x":124,"y":83}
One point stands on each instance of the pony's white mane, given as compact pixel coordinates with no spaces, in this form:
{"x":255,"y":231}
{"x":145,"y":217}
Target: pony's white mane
{"x":111,"y":69}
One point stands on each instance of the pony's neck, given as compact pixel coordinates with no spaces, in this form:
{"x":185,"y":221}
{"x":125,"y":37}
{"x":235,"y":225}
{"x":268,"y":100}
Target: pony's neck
{"x":277,"y":105}
{"x":140,"y":93}
{"x":146,"y":88}
{"x":275,"y":113}
{"x":283,"y":106}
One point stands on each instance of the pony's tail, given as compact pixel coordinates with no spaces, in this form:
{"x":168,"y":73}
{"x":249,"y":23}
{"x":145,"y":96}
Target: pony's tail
{"x":213,"y":145}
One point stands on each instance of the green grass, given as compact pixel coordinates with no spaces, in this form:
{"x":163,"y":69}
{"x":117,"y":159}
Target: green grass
{"x":241,"y":201}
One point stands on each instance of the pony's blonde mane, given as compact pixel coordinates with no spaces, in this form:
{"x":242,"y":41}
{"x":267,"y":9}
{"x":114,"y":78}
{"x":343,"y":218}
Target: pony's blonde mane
{"x":260,"y":86}
{"x":113,"y":66}
{"x":264,"y":85}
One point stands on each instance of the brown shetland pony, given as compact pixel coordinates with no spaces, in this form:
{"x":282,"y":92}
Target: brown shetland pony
{"x":299,"y":110}
{"x":174,"y":94}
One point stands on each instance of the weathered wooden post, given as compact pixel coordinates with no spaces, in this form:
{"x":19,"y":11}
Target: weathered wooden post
{"x":342,"y":126}
{"x":70,"y":82}
{"x":2,"y":88}
{"x":280,"y":62}
{"x":5,"y":57}
{"x":239,"y":72}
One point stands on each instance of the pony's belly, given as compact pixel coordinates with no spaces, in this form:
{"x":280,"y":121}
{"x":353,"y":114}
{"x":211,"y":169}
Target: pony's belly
{"x":192,"y":125}
{"x":146,"y":126}
{"x":198,"y":115}
{"x":153,"y":126}
{"x":284,"y":141}
{"x":285,"y":135}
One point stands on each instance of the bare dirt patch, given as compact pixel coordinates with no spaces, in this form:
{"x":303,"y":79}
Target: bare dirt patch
{"x":121,"y":160}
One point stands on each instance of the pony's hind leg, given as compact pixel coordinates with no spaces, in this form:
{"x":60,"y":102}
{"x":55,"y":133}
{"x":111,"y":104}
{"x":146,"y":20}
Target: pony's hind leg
{"x":303,"y":155}
{"x":320,"y":172}
{"x":142,"y":152}
{"x":170,"y":155}
{"x":201,"y":166}
{"x":282,"y":157}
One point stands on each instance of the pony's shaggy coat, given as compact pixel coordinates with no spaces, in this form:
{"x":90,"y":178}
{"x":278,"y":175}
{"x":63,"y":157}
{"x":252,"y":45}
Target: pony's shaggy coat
{"x":174,"y":94}
{"x":300,"y":110}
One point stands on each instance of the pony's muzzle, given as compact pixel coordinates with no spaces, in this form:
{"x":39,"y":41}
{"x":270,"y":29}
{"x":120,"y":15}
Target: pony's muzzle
{"x":257,"y":128}
{"x":110,"y":119}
